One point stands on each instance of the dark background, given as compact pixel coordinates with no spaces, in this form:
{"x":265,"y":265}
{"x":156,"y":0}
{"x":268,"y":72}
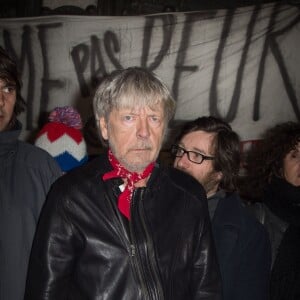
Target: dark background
{"x":30,"y":8}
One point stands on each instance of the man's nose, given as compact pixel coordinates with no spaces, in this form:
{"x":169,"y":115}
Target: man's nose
{"x":182,"y":162}
{"x":143,"y":128}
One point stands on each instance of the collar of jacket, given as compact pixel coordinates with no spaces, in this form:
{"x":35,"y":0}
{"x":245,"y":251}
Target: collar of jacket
{"x":9,"y":139}
{"x":228,"y":211}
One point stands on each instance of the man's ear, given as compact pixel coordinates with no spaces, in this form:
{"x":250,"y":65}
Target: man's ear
{"x":219,"y":175}
{"x":103,"y":128}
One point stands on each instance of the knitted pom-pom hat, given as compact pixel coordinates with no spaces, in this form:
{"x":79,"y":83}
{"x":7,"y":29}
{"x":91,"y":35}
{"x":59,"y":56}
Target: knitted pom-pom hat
{"x":62,"y":138}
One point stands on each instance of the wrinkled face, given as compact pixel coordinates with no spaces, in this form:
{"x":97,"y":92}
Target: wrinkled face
{"x":134,"y":135}
{"x":291,"y":166}
{"x":201,"y":142}
{"x":7,"y":103}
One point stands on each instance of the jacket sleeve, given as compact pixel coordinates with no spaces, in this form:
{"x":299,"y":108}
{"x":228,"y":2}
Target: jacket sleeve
{"x":53,"y":252}
{"x":206,"y":281}
{"x":255,"y":265}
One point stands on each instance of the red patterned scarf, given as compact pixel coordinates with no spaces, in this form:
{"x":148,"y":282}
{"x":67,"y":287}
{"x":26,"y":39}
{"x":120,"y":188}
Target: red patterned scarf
{"x":131,"y":177}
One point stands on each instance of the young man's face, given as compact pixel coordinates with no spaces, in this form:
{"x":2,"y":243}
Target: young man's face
{"x":134,"y":135}
{"x":7,"y":103}
{"x":291,"y":166}
{"x":201,"y":142}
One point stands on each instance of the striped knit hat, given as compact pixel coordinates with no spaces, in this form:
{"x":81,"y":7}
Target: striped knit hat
{"x":62,"y":138}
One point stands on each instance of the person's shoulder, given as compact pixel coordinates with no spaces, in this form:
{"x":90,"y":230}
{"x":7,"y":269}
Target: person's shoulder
{"x":31,"y":150}
{"x":185,"y":182}
{"x":237,"y":207}
{"x":256,"y":209}
{"x":88,"y":173}
{"x":74,"y":186}
{"x":249,"y":220}
{"x":34,"y":156}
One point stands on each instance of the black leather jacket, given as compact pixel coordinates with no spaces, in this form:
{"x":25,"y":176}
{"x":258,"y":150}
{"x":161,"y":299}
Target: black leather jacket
{"x":85,"y":249}
{"x":273,"y":224}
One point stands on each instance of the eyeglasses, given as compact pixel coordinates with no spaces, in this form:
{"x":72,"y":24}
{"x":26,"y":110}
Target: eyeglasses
{"x":193,"y":156}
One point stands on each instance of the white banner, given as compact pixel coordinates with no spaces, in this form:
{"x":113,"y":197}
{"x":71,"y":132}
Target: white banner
{"x":241,"y":65}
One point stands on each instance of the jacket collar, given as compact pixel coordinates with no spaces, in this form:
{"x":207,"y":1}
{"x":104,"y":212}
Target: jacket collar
{"x":228,"y":211}
{"x":9,"y":139}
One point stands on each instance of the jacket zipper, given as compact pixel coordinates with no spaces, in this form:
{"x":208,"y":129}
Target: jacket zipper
{"x":144,"y":253}
{"x":133,"y":250}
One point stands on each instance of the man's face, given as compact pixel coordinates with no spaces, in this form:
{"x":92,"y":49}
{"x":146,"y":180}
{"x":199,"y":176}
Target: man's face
{"x":7,"y":103}
{"x":291,"y":166}
{"x":202,"y":142}
{"x":134,"y":135}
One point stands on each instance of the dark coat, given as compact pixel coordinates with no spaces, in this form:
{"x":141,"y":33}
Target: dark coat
{"x":85,"y":249}
{"x":243,"y":249}
{"x":280,"y":214}
{"x":273,"y":224}
{"x":26,"y":174}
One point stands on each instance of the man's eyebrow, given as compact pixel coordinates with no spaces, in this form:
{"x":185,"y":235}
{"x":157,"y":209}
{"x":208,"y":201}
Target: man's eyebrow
{"x":8,"y":84}
{"x":155,"y":114}
{"x":194,"y":149}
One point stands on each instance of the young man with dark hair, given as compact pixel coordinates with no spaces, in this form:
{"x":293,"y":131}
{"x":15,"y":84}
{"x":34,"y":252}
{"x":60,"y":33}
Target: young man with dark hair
{"x":26,"y":174}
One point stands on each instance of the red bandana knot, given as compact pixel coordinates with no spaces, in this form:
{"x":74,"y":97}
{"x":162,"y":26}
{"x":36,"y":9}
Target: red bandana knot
{"x":131,"y":177}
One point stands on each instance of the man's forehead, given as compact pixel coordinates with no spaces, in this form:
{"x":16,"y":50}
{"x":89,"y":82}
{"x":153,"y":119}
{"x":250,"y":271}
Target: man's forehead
{"x":5,"y":82}
{"x":297,"y":147}
{"x":157,"y":109}
{"x":199,"y":135}
{"x":198,"y":140}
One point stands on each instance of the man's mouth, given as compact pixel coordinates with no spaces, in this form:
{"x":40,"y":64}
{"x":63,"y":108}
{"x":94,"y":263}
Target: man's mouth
{"x":141,"y":149}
